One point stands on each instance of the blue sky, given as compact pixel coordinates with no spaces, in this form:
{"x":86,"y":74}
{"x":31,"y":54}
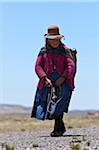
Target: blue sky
{"x":22,"y":26}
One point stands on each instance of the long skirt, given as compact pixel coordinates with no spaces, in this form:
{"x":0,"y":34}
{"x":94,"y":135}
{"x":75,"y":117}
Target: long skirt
{"x":44,"y":107}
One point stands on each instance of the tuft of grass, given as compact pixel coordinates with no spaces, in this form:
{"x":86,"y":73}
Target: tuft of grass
{"x":75,"y":147}
{"x":75,"y":139}
{"x":70,"y":127}
{"x":23,"y":130}
{"x":9,"y":147}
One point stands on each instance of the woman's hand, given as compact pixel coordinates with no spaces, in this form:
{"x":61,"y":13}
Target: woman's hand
{"x":60,"y":81}
{"x":47,"y":82}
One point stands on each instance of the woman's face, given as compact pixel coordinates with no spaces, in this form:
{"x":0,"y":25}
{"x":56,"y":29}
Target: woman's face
{"x":54,"y":42}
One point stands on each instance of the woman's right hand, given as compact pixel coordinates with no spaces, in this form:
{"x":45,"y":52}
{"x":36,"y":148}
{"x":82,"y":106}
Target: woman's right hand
{"x":48,"y":82}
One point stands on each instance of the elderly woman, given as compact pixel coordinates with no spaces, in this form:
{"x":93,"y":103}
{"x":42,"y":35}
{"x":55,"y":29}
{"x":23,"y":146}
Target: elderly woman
{"x":55,"y":67}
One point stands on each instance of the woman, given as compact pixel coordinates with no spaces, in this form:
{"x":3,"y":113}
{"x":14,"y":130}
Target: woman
{"x":55,"y":68}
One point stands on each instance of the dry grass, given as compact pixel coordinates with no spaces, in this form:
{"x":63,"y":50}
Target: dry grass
{"x":81,"y":121}
{"x":23,"y":122}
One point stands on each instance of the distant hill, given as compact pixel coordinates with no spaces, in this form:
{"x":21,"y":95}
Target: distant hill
{"x":11,"y":109}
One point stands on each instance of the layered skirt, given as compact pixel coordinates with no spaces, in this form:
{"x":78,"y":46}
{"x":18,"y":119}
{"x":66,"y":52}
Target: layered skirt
{"x":44,"y":107}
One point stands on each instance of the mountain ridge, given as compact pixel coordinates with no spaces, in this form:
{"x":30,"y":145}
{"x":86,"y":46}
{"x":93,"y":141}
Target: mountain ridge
{"x":16,"y":108}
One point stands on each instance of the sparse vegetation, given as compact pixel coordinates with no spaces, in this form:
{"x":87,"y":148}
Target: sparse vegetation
{"x":70,"y":127}
{"x":77,"y":140}
{"x":14,"y":122}
{"x":75,"y":147}
{"x":23,"y":122}
{"x":9,"y":147}
{"x":23,"y":130}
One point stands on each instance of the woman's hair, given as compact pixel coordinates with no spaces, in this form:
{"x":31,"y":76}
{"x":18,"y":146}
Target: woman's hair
{"x":46,"y":42}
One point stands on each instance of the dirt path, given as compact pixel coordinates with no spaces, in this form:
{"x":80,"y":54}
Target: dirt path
{"x":84,"y":137}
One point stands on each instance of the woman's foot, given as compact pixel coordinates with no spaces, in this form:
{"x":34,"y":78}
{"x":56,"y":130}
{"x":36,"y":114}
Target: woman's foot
{"x":57,"y":133}
{"x":59,"y":128}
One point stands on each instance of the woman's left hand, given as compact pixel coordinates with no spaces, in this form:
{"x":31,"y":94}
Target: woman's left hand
{"x":60,"y":81}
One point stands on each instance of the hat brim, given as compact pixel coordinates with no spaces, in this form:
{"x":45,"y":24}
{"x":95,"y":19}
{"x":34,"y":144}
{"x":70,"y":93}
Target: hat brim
{"x":53,"y":36}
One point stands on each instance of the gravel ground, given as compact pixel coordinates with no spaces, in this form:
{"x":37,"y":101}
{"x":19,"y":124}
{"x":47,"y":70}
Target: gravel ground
{"x":86,"y":138}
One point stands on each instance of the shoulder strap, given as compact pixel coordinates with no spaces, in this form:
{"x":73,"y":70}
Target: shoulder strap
{"x":42,"y":51}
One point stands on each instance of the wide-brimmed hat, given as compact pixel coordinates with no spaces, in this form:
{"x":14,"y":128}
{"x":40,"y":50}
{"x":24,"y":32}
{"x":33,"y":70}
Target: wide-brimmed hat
{"x":53,"y":33}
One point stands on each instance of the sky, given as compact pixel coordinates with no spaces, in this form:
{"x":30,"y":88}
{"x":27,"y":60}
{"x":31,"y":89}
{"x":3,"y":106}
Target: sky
{"x":22,"y":28}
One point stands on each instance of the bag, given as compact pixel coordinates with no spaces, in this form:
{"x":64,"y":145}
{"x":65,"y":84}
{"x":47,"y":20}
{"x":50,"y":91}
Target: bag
{"x":72,"y":53}
{"x":74,"y":56}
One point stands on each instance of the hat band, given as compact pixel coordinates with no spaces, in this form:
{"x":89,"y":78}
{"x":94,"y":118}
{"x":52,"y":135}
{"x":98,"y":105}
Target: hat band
{"x":52,"y":34}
